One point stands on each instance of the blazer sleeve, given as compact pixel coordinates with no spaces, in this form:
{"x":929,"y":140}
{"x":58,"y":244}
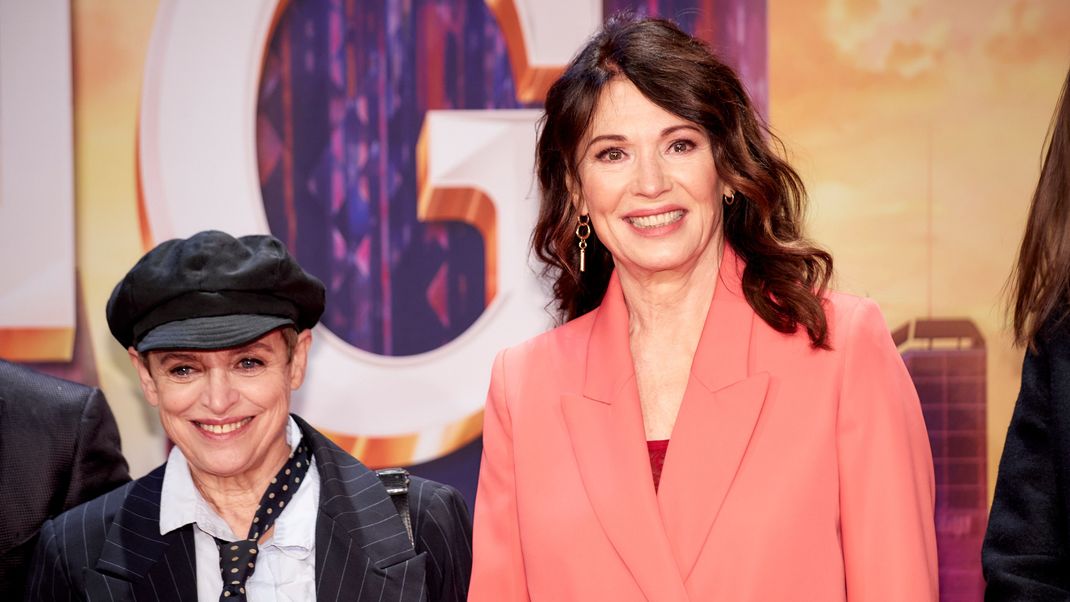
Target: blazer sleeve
{"x":98,"y":465}
{"x":887,"y":489}
{"x":498,"y":565}
{"x":48,"y":579}
{"x":1025,"y":552}
{"x":444,"y":530}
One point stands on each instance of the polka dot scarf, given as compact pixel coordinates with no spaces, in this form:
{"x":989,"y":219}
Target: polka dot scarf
{"x":237,"y":559}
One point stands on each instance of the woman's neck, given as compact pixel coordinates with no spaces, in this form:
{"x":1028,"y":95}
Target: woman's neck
{"x":670,"y":301}
{"x":236,"y":498}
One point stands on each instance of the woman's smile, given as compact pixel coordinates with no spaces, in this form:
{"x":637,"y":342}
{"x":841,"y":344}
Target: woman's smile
{"x":217,"y":429}
{"x":656,"y":223}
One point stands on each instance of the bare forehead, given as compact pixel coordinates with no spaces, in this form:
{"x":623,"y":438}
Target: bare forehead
{"x":623,"y":111}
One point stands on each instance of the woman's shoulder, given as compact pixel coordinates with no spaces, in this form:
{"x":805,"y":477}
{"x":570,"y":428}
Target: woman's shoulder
{"x":554,"y":347}
{"x":565,"y":336}
{"x":95,"y":518}
{"x":1054,"y":333}
{"x":839,"y":305}
{"x":852,"y":316}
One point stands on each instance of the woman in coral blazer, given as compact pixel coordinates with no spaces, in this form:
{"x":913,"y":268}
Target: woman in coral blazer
{"x":710,"y":423}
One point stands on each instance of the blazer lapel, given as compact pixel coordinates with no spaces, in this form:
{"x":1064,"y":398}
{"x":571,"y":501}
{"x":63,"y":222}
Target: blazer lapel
{"x":719,"y":412}
{"x":137,"y":562}
{"x":605,"y":425}
{"x":362,"y":548}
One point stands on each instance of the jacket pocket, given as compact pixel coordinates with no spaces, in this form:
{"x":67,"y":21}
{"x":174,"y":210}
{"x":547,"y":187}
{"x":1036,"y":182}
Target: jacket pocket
{"x":405,"y":581}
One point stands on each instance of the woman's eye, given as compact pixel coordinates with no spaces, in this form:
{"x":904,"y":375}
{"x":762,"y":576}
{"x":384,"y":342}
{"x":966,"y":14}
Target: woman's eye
{"x":250,"y":363}
{"x":611,"y":154}
{"x":682,"y":146}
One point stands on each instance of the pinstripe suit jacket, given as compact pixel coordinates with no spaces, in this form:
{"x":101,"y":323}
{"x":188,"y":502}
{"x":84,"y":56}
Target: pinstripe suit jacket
{"x":111,"y":547}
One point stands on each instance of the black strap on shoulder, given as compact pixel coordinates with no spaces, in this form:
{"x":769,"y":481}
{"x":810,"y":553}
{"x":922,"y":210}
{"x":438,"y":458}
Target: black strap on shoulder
{"x":396,"y":481}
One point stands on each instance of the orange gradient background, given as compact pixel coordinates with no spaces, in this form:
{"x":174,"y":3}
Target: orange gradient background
{"x":918,"y":129}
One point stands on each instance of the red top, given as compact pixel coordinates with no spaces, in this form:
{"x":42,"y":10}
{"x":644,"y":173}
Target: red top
{"x":657,"y":451}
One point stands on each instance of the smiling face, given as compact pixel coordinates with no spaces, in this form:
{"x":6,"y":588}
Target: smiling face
{"x":649,"y":184}
{"x":227,"y":409}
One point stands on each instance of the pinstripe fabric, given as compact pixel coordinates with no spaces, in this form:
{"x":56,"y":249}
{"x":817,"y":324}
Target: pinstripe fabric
{"x":111,"y":548}
{"x":442,"y":526}
{"x":362,"y":549}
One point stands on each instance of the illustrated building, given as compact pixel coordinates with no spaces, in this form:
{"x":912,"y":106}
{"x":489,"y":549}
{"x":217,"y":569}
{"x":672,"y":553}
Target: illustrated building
{"x":946,"y":360}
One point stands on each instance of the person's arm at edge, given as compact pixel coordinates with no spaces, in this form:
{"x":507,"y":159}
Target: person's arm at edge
{"x":498,"y":565}
{"x":444,"y":531}
{"x":98,"y":465}
{"x":1025,"y":554}
{"x":887,"y":489}
{"x":47,"y":578}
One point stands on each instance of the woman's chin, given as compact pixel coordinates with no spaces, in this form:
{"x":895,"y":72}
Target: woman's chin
{"x":665,"y":262}
{"x":682,"y":259}
{"x":220,"y":467}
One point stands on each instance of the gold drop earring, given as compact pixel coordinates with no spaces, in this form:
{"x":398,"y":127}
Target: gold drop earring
{"x":583,"y":230}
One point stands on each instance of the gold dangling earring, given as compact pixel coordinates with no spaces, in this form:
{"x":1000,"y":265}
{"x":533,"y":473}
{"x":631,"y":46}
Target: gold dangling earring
{"x":583,"y":230}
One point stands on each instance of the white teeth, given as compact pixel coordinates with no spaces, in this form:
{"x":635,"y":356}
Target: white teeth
{"x":653,"y":221}
{"x":220,"y":429}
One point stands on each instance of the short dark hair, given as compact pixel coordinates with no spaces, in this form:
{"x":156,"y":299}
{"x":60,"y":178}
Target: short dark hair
{"x":785,"y":276}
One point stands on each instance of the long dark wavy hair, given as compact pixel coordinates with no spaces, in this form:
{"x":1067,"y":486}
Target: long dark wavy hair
{"x":785,"y":276}
{"x":1040,"y":282}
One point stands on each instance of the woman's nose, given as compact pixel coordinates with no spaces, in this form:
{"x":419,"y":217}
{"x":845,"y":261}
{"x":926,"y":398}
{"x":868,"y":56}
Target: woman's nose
{"x":221,"y":394}
{"x":651,"y":179}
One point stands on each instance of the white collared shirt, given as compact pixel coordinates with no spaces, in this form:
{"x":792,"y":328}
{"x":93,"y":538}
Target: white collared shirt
{"x":286,"y":564}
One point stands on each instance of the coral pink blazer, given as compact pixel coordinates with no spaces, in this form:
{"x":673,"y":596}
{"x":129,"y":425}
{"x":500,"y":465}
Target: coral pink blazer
{"x":792,"y":473}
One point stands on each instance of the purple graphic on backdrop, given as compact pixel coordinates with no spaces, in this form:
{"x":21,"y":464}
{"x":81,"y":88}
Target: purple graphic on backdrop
{"x":946,"y":359}
{"x":342,"y":99}
{"x":735,"y":30}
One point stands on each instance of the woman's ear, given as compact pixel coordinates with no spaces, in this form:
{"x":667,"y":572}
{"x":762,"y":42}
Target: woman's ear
{"x":144,"y":376}
{"x":575,"y":197}
{"x":299,"y":362}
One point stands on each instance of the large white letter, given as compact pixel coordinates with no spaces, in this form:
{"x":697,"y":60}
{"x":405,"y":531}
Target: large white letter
{"x":37,"y":294}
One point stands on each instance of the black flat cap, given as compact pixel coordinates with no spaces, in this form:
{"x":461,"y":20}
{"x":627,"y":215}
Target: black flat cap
{"x":212,"y":291}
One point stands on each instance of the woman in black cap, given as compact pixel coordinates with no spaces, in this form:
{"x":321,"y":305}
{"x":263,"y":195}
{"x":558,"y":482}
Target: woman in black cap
{"x":252,"y":503}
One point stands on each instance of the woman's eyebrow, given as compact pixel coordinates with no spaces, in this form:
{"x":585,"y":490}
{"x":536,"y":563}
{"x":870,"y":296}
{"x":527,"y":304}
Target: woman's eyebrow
{"x":683,"y":126}
{"x":177,"y":356}
{"x":602,"y":137}
{"x":254,"y":346}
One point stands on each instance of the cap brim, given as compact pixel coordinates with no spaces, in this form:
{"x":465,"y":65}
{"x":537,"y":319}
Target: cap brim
{"x":216,"y":332}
